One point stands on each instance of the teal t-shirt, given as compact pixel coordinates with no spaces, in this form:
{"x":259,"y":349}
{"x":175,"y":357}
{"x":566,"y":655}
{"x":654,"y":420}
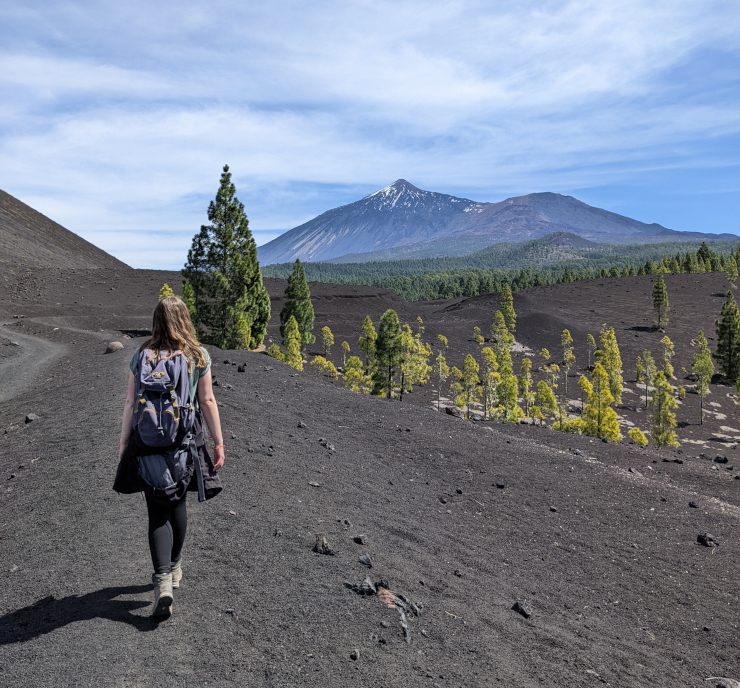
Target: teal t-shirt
{"x":194,"y":376}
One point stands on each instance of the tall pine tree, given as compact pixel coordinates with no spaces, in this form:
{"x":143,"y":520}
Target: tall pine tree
{"x":298,"y":305}
{"x":225,"y":294}
{"x":507,"y":308}
{"x":599,"y":418}
{"x":610,"y":358}
{"x":367,"y":344}
{"x":703,"y":369}
{"x":728,"y":339}
{"x":662,"y":417}
{"x":660,"y":303}
{"x":388,"y":354}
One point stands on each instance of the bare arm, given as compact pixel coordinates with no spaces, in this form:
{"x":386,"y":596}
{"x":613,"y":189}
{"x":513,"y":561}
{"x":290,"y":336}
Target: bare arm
{"x":128,"y":412}
{"x":210,"y":412}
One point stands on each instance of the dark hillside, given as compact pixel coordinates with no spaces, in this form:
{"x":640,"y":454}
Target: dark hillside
{"x":30,"y":239}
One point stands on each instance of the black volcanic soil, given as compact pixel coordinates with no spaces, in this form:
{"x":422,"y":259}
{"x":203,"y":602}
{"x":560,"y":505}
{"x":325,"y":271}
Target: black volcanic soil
{"x":621,"y":593}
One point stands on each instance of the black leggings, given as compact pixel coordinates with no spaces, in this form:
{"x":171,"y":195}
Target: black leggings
{"x":167,"y":527}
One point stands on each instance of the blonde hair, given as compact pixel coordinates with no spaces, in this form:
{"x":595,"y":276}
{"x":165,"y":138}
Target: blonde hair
{"x":173,"y":330}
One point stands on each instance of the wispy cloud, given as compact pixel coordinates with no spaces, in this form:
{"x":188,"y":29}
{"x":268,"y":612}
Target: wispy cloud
{"x":116,"y":118}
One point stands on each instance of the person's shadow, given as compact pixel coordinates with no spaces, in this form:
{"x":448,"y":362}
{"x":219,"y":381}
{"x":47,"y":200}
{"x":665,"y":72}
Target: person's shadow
{"x":48,"y":614}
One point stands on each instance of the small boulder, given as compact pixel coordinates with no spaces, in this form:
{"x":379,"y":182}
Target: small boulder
{"x":31,"y":417}
{"x":241,"y":369}
{"x":707,"y":540}
{"x":454,"y":411}
{"x":321,"y":546}
{"x":354,"y":655}
{"x":720,"y":459}
{"x":365,"y":560}
{"x":693,"y":505}
{"x":113,"y":347}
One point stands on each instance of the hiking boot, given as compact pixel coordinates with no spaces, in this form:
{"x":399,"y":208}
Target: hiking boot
{"x":162,"y":595}
{"x":176,"y":573}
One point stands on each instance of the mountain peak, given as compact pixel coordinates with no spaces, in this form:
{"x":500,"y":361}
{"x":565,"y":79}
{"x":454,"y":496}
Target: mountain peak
{"x":396,"y":189}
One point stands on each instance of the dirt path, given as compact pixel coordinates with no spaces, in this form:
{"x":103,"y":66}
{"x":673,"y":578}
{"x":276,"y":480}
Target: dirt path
{"x":35,"y":356}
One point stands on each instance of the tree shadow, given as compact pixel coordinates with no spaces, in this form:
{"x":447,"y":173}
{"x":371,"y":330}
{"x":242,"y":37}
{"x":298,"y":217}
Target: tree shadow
{"x":640,"y":328}
{"x":49,"y":614}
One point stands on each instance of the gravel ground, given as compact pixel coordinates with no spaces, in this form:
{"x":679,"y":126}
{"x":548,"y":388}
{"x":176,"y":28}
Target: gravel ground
{"x":464,"y":520}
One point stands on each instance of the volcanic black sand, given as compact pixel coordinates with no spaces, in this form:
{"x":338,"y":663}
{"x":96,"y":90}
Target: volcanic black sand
{"x":463,"y":519}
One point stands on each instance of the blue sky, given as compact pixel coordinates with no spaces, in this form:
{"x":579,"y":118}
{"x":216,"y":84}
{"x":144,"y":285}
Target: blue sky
{"x":116,"y":118}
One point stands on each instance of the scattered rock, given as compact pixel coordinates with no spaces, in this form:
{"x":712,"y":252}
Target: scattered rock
{"x":635,"y":472}
{"x":354,"y":655}
{"x":314,"y":484}
{"x":522,"y":608}
{"x":301,"y":424}
{"x":227,"y":361}
{"x":500,"y":486}
{"x":722,"y":682}
{"x":554,"y":509}
{"x":324,"y":443}
{"x":360,"y":539}
{"x":113,"y":347}
{"x":345,"y":522}
{"x":458,"y":573}
{"x":365,"y":560}
{"x":707,"y":540}
{"x":454,"y":411}
{"x":241,"y":369}
{"x":31,"y":417}
{"x":458,"y":490}
{"x":278,"y":533}
{"x":677,"y":460}
{"x":443,"y":500}
{"x":693,"y":505}
{"x":384,"y":624}
{"x":477,"y":417}
{"x":720,"y":459}
{"x":578,"y":452}
{"x":367,"y":587}
{"x":321,"y":546}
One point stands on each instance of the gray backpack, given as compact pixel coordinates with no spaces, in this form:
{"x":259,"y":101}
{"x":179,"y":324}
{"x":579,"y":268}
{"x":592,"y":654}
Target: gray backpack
{"x":163,"y":410}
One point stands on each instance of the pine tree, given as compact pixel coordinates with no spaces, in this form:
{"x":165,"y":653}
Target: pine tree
{"x":668,"y":352}
{"x":545,"y":355}
{"x":298,"y":305}
{"x":325,"y":367}
{"x":367,"y":343}
{"x":503,"y":339}
{"x":610,"y":358}
{"x":508,"y":389}
{"x":443,"y":341}
{"x":293,"y":344}
{"x":637,"y":436}
{"x":468,"y":385}
{"x":553,"y":374}
{"x":525,"y":384}
{"x":345,"y":351}
{"x":650,"y":371}
{"x":507,"y":308}
{"x":599,"y":418}
{"x":662,"y":417}
{"x":545,"y":399}
{"x":489,"y":383}
{"x":569,"y":358}
{"x":165,"y":291}
{"x":224,"y":274}
{"x":591,"y":345}
{"x":703,"y":369}
{"x":728,"y":339}
{"x":188,"y":296}
{"x":327,"y":339}
{"x":440,"y":373}
{"x":353,"y":375}
{"x":731,"y":271}
{"x":388,"y":354}
{"x":660,"y":303}
{"x":414,"y":359}
{"x":477,"y":336}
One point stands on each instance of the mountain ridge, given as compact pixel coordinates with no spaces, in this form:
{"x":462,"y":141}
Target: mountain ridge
{"x":402,"y":220}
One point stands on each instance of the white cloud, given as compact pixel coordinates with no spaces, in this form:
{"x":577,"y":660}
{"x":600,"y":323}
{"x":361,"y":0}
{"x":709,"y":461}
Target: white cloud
{"x":117,"y":118}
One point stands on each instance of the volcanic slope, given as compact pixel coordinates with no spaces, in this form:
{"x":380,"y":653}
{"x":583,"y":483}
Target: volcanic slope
{"x":30,"y":239}
{"x":403,"y":221}
{"x":462,"y":520}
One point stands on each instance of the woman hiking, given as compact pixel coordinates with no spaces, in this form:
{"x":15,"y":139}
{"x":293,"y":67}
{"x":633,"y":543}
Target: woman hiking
{"x":163,"y":449}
